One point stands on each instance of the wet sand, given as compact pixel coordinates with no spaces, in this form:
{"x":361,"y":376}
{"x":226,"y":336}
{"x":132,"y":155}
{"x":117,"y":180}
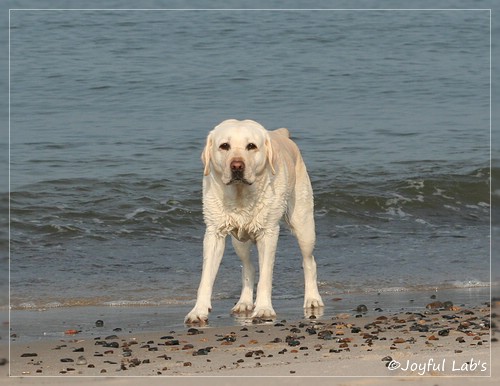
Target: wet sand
{"x":432,"y":342}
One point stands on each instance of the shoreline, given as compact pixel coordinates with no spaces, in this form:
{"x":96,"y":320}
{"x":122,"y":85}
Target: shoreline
{"x":421,"y":345}
{"x":50,"y":323}
{"x":433,"y":342}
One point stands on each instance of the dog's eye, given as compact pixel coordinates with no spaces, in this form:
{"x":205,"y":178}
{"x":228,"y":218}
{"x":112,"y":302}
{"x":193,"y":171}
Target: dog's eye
{"x":225,"y":146}
{"x":251,"y":146}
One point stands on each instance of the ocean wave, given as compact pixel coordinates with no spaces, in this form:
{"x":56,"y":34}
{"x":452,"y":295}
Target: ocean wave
{"x":427,"y":199}
{"x":127,"y":207}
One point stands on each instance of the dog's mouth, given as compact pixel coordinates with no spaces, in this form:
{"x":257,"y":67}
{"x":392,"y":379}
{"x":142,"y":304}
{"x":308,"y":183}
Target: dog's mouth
{"x":237,"y":177}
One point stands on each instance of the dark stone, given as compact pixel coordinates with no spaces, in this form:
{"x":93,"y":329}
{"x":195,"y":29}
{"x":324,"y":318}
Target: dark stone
{"x":361,"y":308}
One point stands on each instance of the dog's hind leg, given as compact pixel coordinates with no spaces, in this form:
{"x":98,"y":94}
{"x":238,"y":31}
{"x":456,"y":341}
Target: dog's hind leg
{"x":301,"y":219}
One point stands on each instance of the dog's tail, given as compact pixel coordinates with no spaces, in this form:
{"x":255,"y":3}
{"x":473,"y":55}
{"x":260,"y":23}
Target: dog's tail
{"x":283,"y":132}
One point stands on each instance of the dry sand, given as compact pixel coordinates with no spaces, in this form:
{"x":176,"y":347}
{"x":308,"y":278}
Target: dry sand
{"x":431,"y":347}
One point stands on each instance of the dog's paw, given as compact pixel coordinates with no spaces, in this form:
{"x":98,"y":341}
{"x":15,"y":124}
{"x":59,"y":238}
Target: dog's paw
{"x":242,"y":308}
{"x":313,"y":302}
{"x":198,"y":316}
{"x":265,"y":313}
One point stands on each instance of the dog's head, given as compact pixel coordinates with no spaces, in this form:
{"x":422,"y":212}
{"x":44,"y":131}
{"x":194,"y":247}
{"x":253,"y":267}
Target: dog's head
{"x":238,"y":151}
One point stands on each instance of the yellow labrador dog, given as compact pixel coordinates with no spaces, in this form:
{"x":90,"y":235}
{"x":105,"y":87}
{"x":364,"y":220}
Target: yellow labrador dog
{"x":252,"y":178}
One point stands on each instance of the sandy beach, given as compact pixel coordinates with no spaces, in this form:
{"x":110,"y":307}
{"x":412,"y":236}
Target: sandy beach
{"x":438,"y":344}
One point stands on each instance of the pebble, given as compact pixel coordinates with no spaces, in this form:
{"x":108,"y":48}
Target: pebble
{"x":326,"y":335}
{"x":361,"y":308}
{"x":29,"y":354}
{"x":448,"y":305}
{"x":434,"y":305}
{"x":67,"y":360}
{"x":81,"y":360}
{"x":99,"y":323}
{"x":229,"y":337}
{"x":201,"y":351}
{"x":419,"y":328}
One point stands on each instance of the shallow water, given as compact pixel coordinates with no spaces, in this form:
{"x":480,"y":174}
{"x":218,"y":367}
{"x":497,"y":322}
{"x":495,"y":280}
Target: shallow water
{"x":109,"y":113}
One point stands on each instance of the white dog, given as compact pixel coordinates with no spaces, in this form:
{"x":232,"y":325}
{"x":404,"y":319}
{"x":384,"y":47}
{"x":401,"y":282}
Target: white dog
{"x":252,"y":178}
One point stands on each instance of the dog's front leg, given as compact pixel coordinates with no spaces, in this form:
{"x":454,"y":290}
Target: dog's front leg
{"x":266,"y":245}
{"x":213,"y":249}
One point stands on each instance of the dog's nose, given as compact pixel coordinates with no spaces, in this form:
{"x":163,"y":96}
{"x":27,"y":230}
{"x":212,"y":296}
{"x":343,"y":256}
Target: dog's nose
{"x":237,"y":166}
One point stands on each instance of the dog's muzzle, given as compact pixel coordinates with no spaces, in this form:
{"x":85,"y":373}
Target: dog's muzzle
{"x":238,"y":172}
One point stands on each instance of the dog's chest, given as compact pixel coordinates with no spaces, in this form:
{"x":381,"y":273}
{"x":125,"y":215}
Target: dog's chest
{"x":243,"y":211}
{"x":245,"y":222}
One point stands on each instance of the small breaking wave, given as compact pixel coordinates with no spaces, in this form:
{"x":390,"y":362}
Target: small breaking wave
{"x":106,"y":209}
{"x":325,"y":288}
{"x":432,"y":199}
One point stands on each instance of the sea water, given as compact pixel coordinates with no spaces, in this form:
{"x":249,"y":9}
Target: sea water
{"x":109,"y":114}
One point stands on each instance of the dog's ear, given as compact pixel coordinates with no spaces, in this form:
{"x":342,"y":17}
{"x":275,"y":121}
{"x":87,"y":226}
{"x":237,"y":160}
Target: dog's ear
{"x":270,"y":154}
{"x":205,"y":155}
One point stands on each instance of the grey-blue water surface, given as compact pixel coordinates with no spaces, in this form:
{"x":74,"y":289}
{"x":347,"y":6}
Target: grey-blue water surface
{"x":109,"y":113}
